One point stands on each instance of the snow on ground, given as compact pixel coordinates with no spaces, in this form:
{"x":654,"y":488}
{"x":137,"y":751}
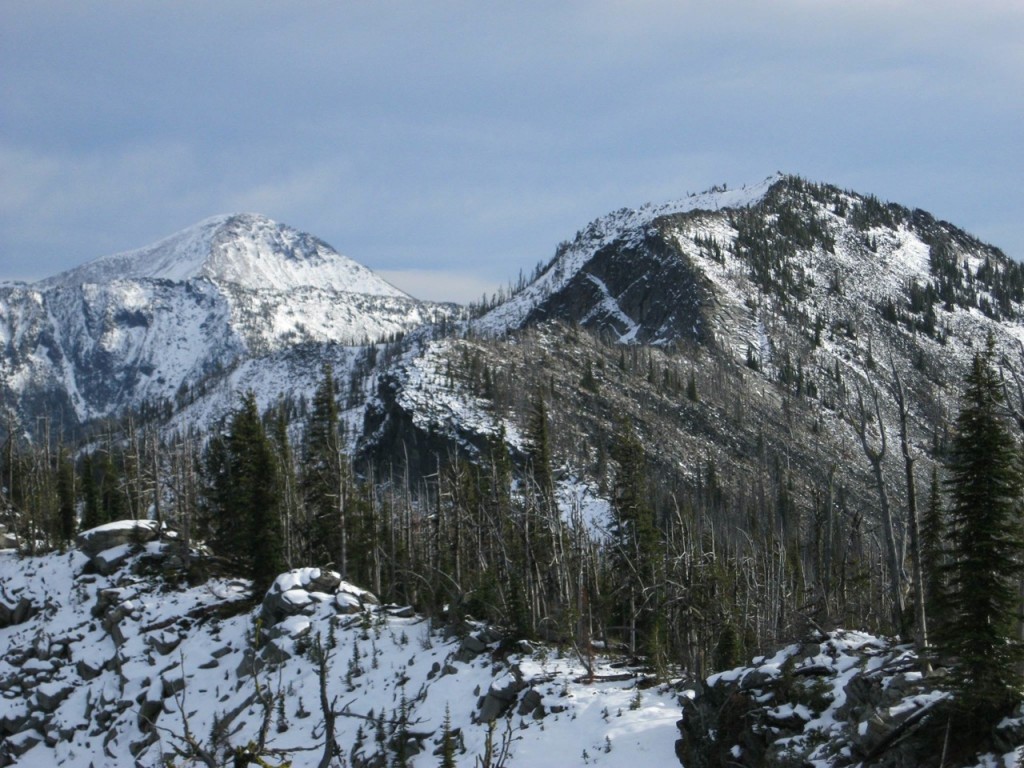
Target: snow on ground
{"x":104,"y":656}
{"x":243,"y":249}
{"x":437,"y":401}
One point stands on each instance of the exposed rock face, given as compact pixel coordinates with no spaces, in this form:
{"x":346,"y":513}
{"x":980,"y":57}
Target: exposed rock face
{"x":834,"y":700}
{"x":646,"y":292}
{"x":299,"y":591}
{"x":116,"y":534}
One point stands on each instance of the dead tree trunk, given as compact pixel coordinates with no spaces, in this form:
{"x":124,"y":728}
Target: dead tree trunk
{"x":875,"y":457}
{"x":920,"y":616}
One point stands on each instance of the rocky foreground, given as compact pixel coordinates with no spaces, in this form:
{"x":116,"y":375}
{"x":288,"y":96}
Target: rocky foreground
{"x":130,"y":651}
{"x":842,"y":699}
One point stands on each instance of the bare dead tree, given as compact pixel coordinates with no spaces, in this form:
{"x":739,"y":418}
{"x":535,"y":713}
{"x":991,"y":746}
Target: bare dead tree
{"x":875,"y":456}
{"x":920,"y":616}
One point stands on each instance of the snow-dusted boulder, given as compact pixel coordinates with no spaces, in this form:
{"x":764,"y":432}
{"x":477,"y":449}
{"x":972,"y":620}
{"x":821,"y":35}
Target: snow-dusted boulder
{"x":116,"y":534}
{"x":20,"y":612}
{"x":301,"y":590}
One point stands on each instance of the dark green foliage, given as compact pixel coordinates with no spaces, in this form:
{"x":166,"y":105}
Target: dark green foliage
{"x":324,"y":479}
{"x":691,"y":387}
{"x":92,"y":514}
{"x":985,"y":548}
{"x":540,"y":447}
{"x":111,"y":500}
{"x":770,"y":235}
{"x":448,"y":741}
{"x":635,"y":545}
{"x":65,"y":498}
{"x":933,"y":531}
{"x":588,"y":381}
{"x":727,"y":650}
{"x":244,"y":496}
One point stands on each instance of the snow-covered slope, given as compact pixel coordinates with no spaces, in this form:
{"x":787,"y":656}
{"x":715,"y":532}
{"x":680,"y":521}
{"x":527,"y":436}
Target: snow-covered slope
{"x":126,"y":667}
{"x":246,"y":250}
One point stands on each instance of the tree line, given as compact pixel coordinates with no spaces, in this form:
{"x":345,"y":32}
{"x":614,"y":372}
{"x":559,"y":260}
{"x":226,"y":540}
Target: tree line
{"x":660,"y":577}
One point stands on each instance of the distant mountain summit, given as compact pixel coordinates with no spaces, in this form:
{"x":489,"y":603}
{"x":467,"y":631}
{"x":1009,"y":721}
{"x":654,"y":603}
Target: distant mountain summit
{"x":243,"y":249}
{"x":147,"y":326}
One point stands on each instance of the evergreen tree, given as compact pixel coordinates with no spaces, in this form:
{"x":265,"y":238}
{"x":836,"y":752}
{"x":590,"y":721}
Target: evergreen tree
{"x":92,"y":514}
{"x":539,"y":451}
{"x":447,"y":748}
{"x":986,"y":548}
{"x":635,"y":543}
{"x":244,"y":497}
{"x":65,"y":499}
{"x":932,"y":554}
{"x":691,"y":387}
{"x":324,"y":478}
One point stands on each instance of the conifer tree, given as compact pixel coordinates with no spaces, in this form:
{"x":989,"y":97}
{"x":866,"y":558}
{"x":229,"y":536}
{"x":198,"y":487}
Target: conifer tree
{"x":540,"y":446}
{"x":932,"y":553}
{"x":111,"y":500}
{"x":324,"y":481}
{"x":448,"y":745}
{"x":244,"y":497}
{"x":635,"y":542}
{"x":986,"y":548}
{"x":65,"y":498}
{"x":92,"y":514}
{"x":254,"y":459}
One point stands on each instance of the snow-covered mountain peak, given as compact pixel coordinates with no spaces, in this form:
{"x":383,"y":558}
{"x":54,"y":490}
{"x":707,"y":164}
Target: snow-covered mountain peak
{"x":247,"y":250}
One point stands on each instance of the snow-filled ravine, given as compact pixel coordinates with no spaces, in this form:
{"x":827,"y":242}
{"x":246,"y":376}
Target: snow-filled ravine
{"x":109,"y":658}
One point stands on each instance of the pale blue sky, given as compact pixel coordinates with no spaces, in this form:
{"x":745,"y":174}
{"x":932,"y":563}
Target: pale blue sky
{"x":449,"y":145}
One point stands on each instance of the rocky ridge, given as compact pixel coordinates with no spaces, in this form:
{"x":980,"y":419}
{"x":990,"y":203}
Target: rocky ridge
{"x":118,"y":660}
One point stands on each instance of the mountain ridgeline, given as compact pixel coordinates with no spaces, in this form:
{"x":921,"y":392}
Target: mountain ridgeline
{"x":703,"y":429}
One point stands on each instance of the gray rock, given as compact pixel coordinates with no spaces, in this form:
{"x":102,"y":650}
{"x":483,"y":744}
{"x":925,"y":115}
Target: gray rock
{"x":250,"y":665}
{"x":138,"y":747}
{"x":110,"y":561}
{"x":13,"y":722}
{"x":19,"y":613}
{"x":328,"y":581}
{"x":473,"y":644}
{"x":274,"y":652}
{"x":18,"y":745}
{"x":49,"y":698}
{"x":499,"y":698}
{"x":530,"y":703}
{"x":149,"y":712}
{"x":164,"y":642}
{"x":96,"y":540}
{"x":87,"y":670}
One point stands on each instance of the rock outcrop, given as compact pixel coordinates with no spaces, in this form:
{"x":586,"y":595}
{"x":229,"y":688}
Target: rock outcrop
{"x":840,"y":699}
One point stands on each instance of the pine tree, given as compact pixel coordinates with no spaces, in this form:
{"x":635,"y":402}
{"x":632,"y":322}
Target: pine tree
{"x":92,"y":514}
{"x":447,"y":748}
{"x":539,"y":452}
{"x":635,"y":542}
{"x":65,"y":498}
{"x":324,"y":480}
{"x":243,"y":496}
{"x":986,"y":548}
{"x":933,"y":531}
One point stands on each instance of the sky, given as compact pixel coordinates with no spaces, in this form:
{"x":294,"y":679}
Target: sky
{"x":451,"y":145}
